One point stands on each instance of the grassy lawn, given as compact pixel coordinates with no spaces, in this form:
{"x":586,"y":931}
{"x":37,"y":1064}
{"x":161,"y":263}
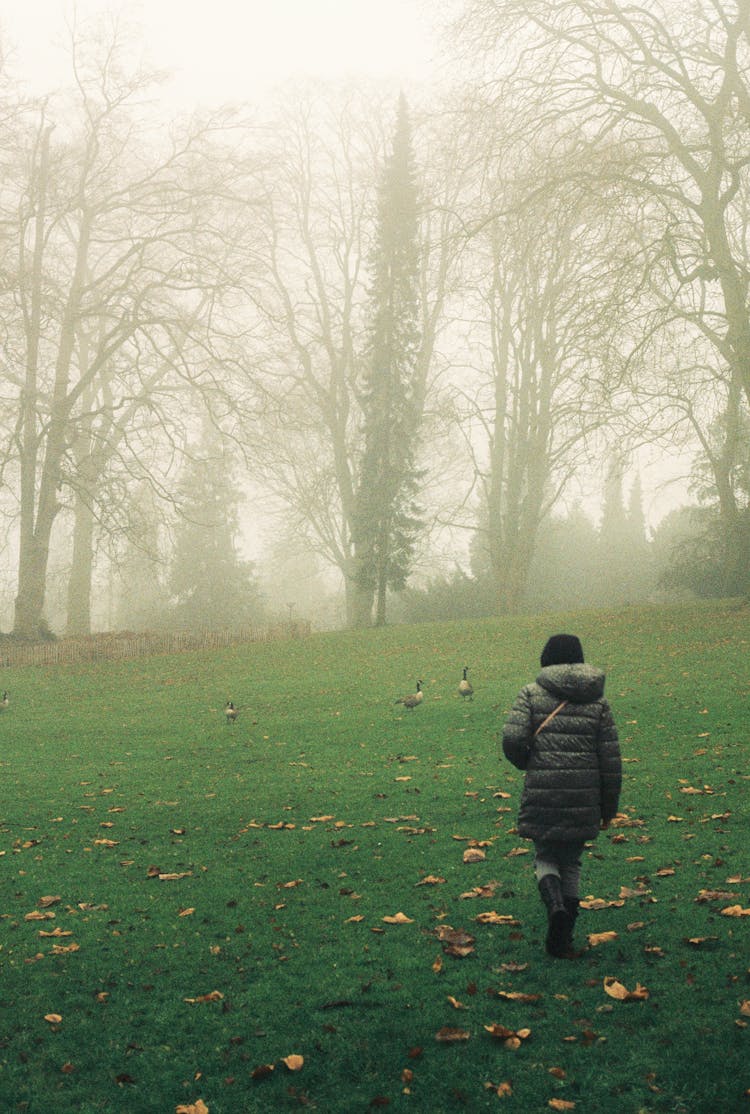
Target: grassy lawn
{"x":189,"y":907}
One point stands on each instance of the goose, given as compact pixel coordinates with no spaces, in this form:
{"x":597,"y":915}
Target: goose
{"x":414,"y":699}
{"x":465,"y":686}
{"x":231,"y":712}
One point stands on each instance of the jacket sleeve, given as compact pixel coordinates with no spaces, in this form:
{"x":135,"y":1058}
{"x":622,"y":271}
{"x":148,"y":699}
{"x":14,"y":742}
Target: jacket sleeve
{"x":610,"y":763}
{"x":518,"y":733}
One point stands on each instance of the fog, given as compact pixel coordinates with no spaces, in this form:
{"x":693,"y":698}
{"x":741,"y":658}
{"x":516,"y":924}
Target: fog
{"x":352,"y":313}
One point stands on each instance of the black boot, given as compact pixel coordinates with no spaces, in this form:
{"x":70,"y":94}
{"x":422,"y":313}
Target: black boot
{"x":571,"y":908}
{"x":558,"y":918}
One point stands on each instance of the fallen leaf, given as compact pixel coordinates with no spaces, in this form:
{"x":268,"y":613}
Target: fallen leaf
{"x":616,"y":989}
{"x":511,"y":1038}
{"x":45,"y":902}
{"x":496,"y":918}
{"x":398,"y":918}
{"x":262,"y":1071}
{"x":597,"y":938}
{"x":212,"y":996}
{"x":449,"y":1035}
{"x":53,"y":1018}
{"x":198,"y":1107}
{"x":518,"y":996}
{"x":455,"y":1003}
{"x":474,"y":855}
{"x":561,"y":1104}
{"x":502,"y":1090}
{"x":735,"y":911}
{"x":293,"y":1062}
{"x":431,"y":880}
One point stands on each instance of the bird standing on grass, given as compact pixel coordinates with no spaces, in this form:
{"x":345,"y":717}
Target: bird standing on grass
{"x":414,"y":699}
{"x":465,"y":687}
{"x":231,"y":712}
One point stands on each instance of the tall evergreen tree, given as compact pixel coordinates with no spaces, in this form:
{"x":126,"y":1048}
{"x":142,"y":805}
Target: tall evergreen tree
{"x":387,"y":521}
{"x":211,"y":586}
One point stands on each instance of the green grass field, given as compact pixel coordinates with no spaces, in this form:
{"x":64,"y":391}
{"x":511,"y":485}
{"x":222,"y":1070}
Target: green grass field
{"x":189,"y":907}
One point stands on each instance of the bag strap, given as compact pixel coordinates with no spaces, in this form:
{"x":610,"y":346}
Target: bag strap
{"x":550,"y":717}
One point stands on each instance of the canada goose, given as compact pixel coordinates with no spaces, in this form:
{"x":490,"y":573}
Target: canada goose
{"x":465,"y":686}
{"x":4,"y":702}
{"x":414,"y":699}
{"x":231,"y":712}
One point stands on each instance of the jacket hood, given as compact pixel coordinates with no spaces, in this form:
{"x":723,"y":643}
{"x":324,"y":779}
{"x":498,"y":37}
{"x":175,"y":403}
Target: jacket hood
{"x":580,"y":683}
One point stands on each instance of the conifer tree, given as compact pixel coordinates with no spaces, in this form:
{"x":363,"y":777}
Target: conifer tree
{"x":386,"y":521}
{"x":211,"y":586}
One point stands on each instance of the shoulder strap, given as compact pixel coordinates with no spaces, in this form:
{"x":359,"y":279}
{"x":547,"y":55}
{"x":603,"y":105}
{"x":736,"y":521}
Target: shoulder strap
{"x":550,"y":717}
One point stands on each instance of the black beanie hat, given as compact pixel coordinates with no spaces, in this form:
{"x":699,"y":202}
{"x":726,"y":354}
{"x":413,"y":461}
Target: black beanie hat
{"x":562,"y":649}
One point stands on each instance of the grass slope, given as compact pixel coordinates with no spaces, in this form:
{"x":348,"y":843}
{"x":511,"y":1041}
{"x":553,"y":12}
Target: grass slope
{"x":218,"y":893}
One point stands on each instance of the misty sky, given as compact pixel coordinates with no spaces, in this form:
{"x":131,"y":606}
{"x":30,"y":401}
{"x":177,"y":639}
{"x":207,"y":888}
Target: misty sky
{"x":233,"y":49}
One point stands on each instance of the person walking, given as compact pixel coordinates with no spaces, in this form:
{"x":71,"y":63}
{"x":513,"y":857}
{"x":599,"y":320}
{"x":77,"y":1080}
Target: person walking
{"x":561,"y":732}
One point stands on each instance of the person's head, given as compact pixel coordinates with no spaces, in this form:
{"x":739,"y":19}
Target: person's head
{"x":562,"y":649}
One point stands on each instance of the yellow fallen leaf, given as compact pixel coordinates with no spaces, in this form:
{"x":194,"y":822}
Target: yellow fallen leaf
{"x":735,"y":911}
{"x":212,"y":996}
{"x":398,"y":918}
{"x":53,"y":1018}
{"x":431,"y":880}
{"x":449,"y":1035}
{"x":561,"y":1104}
{"x":617,"y":990}
{"x":293,"y":1062}
{"x":474,"y":855}
{"x":198,"y":1107}
{"x":596,"y":938}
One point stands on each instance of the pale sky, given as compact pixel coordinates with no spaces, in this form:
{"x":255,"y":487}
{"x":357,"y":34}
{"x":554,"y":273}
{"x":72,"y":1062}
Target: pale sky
{"x":224,"y":50}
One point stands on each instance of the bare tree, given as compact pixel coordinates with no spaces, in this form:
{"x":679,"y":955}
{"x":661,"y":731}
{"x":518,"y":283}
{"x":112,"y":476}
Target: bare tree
{"x":120,"y":271}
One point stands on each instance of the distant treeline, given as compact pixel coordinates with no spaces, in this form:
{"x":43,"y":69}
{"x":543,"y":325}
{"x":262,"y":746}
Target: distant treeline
{"x":131,"y":644}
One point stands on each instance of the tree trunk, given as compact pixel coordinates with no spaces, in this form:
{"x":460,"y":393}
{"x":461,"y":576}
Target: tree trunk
{"x":79,"y":583}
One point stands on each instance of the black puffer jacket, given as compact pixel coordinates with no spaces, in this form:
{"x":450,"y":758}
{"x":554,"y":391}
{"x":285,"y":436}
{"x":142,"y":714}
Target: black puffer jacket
{"x":573,"y":767}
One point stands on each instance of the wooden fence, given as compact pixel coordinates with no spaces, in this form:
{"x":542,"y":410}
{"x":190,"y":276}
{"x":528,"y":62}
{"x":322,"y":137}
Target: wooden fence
{"x":133,"y":644}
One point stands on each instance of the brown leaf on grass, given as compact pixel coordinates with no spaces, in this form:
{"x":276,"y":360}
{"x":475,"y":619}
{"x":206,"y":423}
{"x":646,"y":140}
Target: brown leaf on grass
{"x":56,"y":932}
{"x":106,"y":842}
{"x":320,"y":819}
{"x":474,"y":855}
{"x":559,"y":1073}
{"x":518,"y":851}
{"x":290,"y":885}
{"x":35,"y":915}
{"x":198,"y":1107}
{"x":46,"y":902}
{"x":449,"y":1035}
{"x":60,"y":949}
{"x":456,"y":1004}
{"x":53,"y":1018}
{"x":639,"y":891}
{"x":518,"y":996}
{"x":617,"y":990}
{"x":212,"y":996}
{"x":600,"y":903}
{"x":486,"y":891}
{"x":735,"y":911}
{"x":511,"y":1038}
{"x":597,"y":938}
{"x":398,"y":918}
{"x":714,"y":895}
{"x":496,"y":918}
{"x":696,"y":941}
{"x":294,"y":1062}
{"x":455,"y":941}
{"x":431,"y":880}
{"x":745,"y":1008}
{"x":502,"y":1090}
{"x":675,"y":819}
{"x":561,"y":1104}
{"x":437,"y":966}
